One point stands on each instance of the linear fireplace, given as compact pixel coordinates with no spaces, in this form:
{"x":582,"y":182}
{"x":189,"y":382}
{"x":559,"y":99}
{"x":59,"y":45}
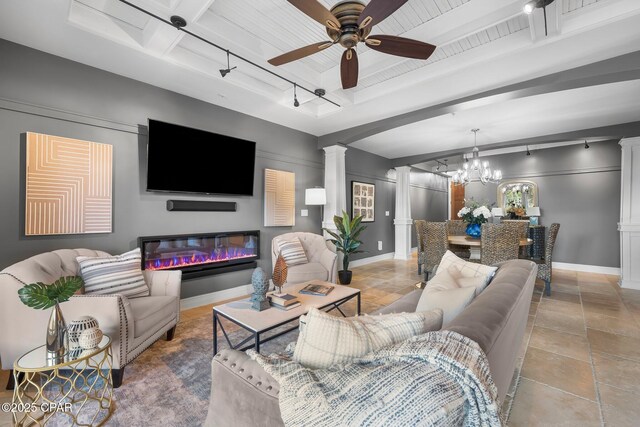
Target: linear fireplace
{"x":201,"y":254}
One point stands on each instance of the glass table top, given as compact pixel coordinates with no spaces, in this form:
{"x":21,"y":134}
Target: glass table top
{"x":37,"y":358}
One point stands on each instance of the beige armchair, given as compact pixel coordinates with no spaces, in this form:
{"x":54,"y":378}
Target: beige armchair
{"x":133,"y":324}
{"x":323,"y":262}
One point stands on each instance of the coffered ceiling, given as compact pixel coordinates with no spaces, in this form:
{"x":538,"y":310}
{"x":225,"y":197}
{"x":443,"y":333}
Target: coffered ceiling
{"x":483,"y":45}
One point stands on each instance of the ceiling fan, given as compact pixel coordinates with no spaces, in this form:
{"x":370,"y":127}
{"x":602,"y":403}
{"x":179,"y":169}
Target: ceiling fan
{"x":349,"y":23}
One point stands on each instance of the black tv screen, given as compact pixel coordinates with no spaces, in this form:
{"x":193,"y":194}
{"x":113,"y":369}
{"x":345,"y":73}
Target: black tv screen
{"x":187,"y":160}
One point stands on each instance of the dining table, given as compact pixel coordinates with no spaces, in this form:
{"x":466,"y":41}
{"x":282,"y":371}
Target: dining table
{"x":475,"y":245}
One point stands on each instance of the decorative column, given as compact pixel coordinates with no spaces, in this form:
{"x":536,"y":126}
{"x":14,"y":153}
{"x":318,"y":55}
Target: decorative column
{"x":629,"y":225}
{"x":403,"y":221}
{"x":335,"y":184}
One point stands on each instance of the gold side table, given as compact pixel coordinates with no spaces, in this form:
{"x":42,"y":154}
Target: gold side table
{"x":79,"y":389}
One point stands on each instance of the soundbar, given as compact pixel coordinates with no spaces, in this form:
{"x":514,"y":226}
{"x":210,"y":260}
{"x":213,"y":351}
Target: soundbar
{"x":200,"y":206}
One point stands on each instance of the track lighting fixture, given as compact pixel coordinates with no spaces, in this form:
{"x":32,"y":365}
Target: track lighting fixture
{"x":529,"y":7}
{"x":586,"y":145}
{"x":180,"y":24}
{"x":295,"y":97}
{"x":528,"y":152}
{"x":227,"y":70}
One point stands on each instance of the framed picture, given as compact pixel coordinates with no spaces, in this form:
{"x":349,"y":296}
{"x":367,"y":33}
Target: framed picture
{"x":363,"y":200}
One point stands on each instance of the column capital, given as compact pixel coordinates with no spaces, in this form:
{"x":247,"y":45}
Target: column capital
{"x":337,"y":149}
{"x":403,"y":169}
{"x":630,"y":142}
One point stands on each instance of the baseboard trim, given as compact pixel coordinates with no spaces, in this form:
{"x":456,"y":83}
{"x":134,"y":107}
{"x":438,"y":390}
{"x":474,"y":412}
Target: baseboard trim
{"x":215,"y":297}
{"x":630,"y":284}
{"x":371,"y":259}
{"x":587,"y":268}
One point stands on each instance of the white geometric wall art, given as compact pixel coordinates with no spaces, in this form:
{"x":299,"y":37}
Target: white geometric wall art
{"x":279,"y":198}
{"x":68,"y":186}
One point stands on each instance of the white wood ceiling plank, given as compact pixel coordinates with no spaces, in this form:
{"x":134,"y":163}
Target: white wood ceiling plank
{"x":443,"y":5}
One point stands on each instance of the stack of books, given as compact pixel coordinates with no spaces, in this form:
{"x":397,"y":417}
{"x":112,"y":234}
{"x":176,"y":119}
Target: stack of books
{"x":284,"y":301}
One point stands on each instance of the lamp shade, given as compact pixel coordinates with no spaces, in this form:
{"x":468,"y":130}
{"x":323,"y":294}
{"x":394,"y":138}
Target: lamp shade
{"x":533,"y":211}
{"x":315,"y":196}
{"x":497,"y":212}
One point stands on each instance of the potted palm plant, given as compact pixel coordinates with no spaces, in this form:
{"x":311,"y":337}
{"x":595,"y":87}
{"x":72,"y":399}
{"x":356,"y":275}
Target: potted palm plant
{"x":346,"y":241}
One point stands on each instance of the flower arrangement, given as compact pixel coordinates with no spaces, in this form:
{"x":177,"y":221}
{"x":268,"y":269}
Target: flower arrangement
{"x":516,"y":210}
{"x":474,"y":213}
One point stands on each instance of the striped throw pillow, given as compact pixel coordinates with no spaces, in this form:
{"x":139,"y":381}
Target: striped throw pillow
{"x":118,"y":274}
{"x":292,"y":252}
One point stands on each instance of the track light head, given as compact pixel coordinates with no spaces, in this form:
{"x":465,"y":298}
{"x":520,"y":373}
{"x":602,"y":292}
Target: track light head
{"x":295,"y":96}
{"x":226,"y":71}
{"x":528,"y":152}
{"x":586,"y":145}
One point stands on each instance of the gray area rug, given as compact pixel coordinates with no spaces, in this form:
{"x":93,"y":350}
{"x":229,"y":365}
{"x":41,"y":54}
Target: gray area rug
{"x":169,"y":384}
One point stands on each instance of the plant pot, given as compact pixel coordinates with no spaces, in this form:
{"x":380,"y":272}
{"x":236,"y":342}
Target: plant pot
{"x":474,"y":231}
{"x":345,"y":276}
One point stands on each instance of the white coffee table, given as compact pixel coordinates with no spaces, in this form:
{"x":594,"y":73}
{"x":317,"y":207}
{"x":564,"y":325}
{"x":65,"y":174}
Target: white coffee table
{"x":259,"y":322}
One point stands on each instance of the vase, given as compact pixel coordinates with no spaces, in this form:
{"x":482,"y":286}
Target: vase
{"x":474,"y":231}
{"x":75,"y":328}
{"x":57,"y":338}
{"x":260,"y":284}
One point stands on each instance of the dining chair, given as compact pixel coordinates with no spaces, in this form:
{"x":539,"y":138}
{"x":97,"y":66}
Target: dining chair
{"x":500,"y":242}
{"x":456,"y":227}
{"x":436,"y":245}
{"x":544,"y":265}
{"x":421,"y":234}
{"x":523,"y":231}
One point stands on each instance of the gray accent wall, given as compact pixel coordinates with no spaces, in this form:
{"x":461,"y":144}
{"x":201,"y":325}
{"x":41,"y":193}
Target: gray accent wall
{"x":428,"y":194}
{"x":47,"y":94}
{"x":362,"y":166}
{"x":579,"y":189}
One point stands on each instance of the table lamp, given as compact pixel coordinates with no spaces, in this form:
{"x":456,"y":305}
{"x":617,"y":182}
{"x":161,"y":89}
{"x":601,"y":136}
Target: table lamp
{"x":315,"y":196}
{"x":533,"y":212}
{"x":497,"y":213}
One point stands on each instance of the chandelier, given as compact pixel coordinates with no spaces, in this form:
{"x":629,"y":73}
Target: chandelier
{"x":476,"y":171}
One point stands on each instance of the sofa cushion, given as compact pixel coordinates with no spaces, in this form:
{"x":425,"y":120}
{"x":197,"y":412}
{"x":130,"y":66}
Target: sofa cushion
{"x":117,"y":274}
{"x":444,"y":292}
{"x":292,"y":251}
{"x":326,"y":340}
{"x":149,"y":312}
{"x":306,"y":272}
{"x":466,"y":268}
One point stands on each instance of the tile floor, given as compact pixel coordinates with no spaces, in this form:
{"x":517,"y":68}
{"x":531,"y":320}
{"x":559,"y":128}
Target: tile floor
{"x":579,"y":362}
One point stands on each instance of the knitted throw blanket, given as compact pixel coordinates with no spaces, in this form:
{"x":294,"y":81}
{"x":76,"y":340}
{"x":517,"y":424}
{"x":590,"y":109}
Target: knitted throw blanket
{"x":439,"y":378}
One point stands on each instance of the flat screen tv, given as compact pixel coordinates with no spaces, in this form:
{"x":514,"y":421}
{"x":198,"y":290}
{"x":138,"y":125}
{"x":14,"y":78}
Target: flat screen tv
{"x":187,"y":160}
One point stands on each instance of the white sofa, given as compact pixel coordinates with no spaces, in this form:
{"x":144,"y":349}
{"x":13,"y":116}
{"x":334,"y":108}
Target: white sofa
{"x":133,"y":324}
{"x":322,"y":263}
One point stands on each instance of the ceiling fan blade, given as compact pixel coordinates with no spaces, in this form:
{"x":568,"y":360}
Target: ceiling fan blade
{"x":316,"y":11}
{"x":299,"y":53}
{"x":349,"y":69}
{"x":377,"y":10}
{"x":400,"y":46}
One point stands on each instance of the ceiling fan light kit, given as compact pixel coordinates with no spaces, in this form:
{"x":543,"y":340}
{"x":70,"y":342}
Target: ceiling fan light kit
{"x":349,"y":23}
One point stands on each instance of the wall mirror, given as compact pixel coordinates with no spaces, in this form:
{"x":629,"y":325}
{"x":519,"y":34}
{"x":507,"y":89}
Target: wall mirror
{"x":517,"y":193}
